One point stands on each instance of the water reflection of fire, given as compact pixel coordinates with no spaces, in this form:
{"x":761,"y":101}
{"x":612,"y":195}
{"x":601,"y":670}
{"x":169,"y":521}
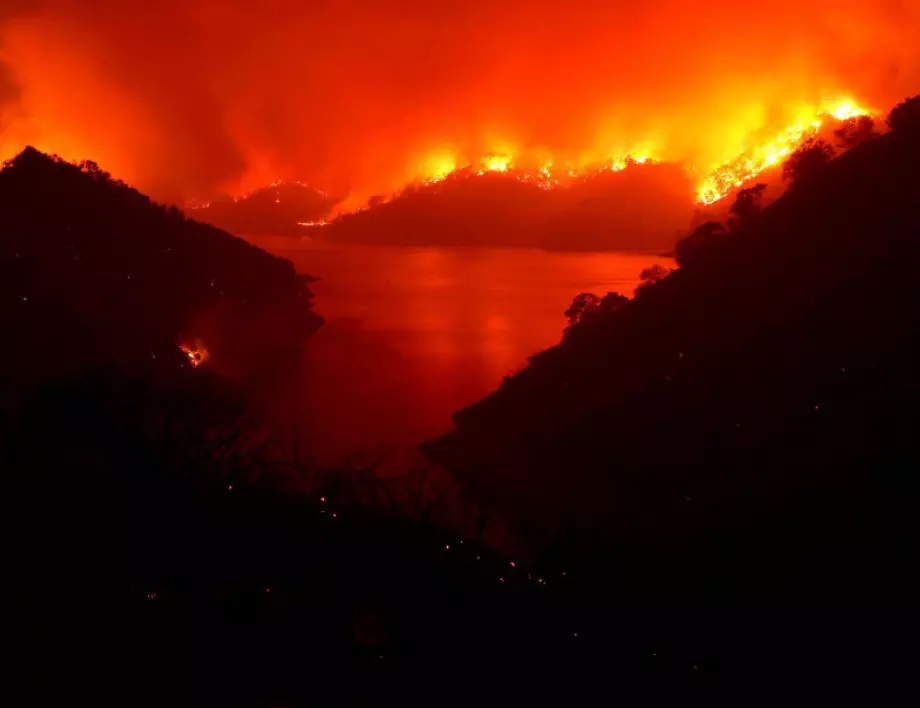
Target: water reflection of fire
{"x":196,"y":352}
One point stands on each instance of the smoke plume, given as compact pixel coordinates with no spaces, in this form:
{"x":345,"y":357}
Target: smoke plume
{"x":188,"y":98}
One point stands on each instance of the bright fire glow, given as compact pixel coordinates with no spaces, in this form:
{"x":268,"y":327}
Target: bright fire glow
{"x":354,"y":95}
{"x":714,"y":185}
{"x":437,"y":166}
{"x":495,"y":163}
{"x":846,"y":110}
{"x":196,"y":353}
{"x":734,"y":173}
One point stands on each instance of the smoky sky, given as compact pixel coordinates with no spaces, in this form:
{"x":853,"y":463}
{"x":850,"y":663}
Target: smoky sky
{"x":187,"y":98}
{"x":9,"y":90}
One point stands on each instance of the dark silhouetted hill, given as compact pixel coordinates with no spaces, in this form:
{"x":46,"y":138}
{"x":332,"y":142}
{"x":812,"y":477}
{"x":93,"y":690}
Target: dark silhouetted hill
{"x":93,"y":271}
{"x":642,"y":207}
{"x":462,"y":210}
{"x":157,"y":551}
{"x":164,"y":547}
{"x":279,"y":209}
{"x":744,"y":427}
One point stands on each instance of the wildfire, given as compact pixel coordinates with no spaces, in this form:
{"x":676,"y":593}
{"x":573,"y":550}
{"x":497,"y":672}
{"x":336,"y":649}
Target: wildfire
{"x":846,"y":110}
{"x":618,"y":164}
{"x":494,"y":163}
{"x":437,"y":166}
{"x":196,"y":353}
{"x":714,"y":184}
{"x":718,"y":182}
{"x":543,"y":177}
{"x":734,"y":173}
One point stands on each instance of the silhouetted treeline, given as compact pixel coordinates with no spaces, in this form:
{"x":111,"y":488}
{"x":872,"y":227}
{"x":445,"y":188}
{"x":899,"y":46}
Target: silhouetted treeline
{"x":645,"y":207}
{"x":701,"y":472}
{"x":742,"y":430}
{"x":642,"y":207}
{"x":279,"y":209}
{"x":93,"y":271}
{"x":162,"y":546}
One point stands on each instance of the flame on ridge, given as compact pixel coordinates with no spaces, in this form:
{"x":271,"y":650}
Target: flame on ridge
{"x":734,"y":173}
{"x":440,"y":165}
{"x":715,"y":185}
{"x":495,"y":163}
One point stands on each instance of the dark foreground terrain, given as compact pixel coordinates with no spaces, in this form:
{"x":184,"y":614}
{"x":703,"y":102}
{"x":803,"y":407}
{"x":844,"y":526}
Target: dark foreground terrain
{"x":761,"y":438}
{"x":714,"y":480}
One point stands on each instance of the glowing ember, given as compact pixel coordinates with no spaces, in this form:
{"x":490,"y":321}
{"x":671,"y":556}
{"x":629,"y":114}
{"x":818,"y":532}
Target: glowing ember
{"x":618,"y":164}
{"x":195,"y":352}
{"x":547,"y":174}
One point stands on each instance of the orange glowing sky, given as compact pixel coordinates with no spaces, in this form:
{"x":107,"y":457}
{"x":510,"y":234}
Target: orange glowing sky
{"x":185,"y":99}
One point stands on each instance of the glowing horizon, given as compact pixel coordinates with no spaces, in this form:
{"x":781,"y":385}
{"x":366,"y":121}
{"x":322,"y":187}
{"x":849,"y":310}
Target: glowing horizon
{"x":192,"y":100}
{"x":716,"y":184}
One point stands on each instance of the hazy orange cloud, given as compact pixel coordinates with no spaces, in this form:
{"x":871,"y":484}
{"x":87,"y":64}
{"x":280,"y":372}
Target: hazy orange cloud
{"x":359,"y":96}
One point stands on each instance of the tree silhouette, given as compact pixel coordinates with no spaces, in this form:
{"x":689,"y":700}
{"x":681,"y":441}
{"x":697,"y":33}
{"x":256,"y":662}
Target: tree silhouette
{"x":613,"y":301}
{"x":808,"y":161}
{"x":905,"y":117}
{"x":652,"y":275}
{"x":855,"y":131}
{"x":696,"y":247}
{"x":748,"y":204}
{"x":582,"y":305}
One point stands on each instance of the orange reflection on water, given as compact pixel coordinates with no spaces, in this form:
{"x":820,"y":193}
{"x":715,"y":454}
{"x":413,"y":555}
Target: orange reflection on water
{"x":414,"y":334}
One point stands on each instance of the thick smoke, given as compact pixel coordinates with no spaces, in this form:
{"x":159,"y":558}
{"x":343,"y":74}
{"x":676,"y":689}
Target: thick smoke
{"x":185,"y":98}
{"x":9,"y":89}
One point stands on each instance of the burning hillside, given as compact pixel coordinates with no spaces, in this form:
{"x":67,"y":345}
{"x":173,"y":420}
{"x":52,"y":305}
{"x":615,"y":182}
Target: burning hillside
{"x":633,"y":206}
{"x":361,"y":99}
{"x":631,"y":201}
{"x":786,"y":345}
{"x":716,"y":183}
{"x":762,"y":156}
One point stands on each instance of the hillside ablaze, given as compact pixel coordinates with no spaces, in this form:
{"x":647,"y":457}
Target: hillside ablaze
{"x":718,"y":182}
{"x":734,"y":173}
{"x":715,"y":184}
{"x":495,"y":163}
{"x":763,"y":149}
{"x":363,"y":99}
